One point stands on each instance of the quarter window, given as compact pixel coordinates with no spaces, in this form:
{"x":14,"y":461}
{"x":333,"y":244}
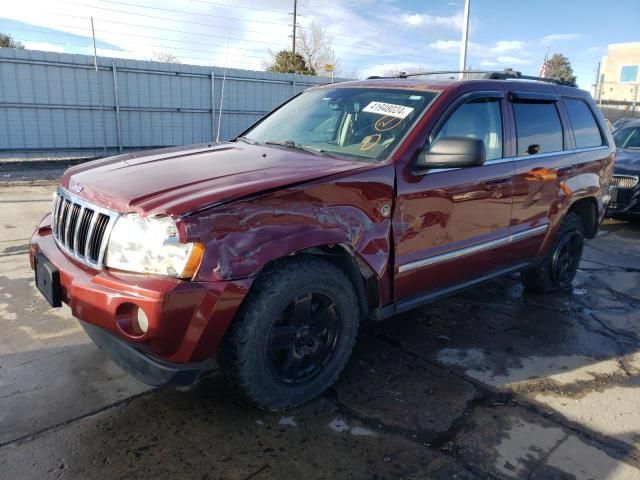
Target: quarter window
{"x":480,"y":119}
{"x":585,"y":128}
{"x":538,"y":128}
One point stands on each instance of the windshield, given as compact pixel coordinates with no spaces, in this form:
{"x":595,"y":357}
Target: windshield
{"x":627,"y":137}
{"x":364,"y":123}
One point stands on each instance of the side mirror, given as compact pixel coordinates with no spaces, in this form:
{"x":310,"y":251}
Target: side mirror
{"x":452,"y":152}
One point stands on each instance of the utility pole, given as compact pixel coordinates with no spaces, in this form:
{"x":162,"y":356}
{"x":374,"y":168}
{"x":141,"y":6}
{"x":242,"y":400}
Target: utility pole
{"x":465,"y":38}
{"x":600,"y":90}
{"x":95,"y":66}
{"x":295,"y":21}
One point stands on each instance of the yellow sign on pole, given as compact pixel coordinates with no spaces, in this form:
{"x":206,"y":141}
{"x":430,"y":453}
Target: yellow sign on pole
{"x":328,"y":67}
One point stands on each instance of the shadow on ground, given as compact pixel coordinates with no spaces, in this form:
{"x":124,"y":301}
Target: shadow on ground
{"x":493,"y":383}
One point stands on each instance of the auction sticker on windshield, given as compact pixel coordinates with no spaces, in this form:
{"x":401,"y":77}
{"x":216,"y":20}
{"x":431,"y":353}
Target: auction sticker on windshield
{"x":398,"y":111}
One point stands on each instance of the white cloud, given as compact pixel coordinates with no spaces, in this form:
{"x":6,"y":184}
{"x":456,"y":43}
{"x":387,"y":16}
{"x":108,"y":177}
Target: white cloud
{"x":452,"y":22}
{"x":369,"y":36}
{"x":49,"y":47}
{"x":559,"y":37}
{"x":504,"y":46}
{"x":446,"y":45}
{"x":507,"y":60}
{"x":491,"y":55}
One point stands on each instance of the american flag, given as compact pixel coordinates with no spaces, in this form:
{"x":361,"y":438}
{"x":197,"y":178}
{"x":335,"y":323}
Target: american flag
{"x":543,"y":68}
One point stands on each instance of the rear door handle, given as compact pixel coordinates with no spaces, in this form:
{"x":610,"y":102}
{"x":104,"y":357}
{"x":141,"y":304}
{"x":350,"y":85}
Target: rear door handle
{"x":498,"y":183}
{"x":567,"y":170}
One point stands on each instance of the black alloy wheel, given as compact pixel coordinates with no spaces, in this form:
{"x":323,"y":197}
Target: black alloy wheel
{"x":566,"y":258}
{"x":303,"y":339}
{"x":558,"y":268}
{"x":293,"y":334}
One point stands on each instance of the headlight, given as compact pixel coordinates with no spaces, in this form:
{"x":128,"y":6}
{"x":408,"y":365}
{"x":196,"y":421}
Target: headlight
{"x":151,"y":245}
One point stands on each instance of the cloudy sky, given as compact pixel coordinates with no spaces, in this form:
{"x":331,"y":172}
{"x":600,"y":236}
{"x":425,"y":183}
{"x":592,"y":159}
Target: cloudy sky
{"x":369,"y":36}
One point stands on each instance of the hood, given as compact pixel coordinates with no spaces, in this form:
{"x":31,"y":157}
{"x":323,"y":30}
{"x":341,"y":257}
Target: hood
{"x":627,"y":161}
{"x":180,"y":180}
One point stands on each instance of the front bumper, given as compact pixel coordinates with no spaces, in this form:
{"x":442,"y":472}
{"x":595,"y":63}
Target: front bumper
{"x":142,"y":366}
{"x":187,"y":320}
{"x":624,"y":201}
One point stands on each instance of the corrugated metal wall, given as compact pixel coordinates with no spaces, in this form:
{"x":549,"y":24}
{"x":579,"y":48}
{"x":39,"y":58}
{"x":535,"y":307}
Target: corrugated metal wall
{"x":54,"y":104}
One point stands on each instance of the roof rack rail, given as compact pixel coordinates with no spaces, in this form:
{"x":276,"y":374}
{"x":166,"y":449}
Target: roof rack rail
{"x":432,"y":72}
{"x":505,"y":74}
{"x":509,"y":73}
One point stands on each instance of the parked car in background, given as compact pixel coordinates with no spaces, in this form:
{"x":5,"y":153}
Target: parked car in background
{"x":622,"y":121}
{"x":625,"y":191}
{"x":351,"y":201}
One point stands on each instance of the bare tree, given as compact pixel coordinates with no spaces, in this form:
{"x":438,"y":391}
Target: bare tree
{"x":316,"y":47}
{"x":166,"y":57}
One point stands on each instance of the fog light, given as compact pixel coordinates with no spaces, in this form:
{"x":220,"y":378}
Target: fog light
{"x":143,"y":321}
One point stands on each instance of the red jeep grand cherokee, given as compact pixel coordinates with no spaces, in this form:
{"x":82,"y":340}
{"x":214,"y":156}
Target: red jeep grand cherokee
{"x":351,"y":201}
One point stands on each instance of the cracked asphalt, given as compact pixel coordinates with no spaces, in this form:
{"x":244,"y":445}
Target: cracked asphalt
{"x":492,"y":383}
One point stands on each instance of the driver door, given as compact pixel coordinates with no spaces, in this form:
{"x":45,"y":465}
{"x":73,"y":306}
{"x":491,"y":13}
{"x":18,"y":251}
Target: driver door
{"x":450,"y":225}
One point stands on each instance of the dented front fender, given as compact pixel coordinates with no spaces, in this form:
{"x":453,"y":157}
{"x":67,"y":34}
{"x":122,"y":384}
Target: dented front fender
{"x":353,"y":210}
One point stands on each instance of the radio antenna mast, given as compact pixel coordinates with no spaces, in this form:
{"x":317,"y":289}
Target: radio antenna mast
{"x":224,"y":77}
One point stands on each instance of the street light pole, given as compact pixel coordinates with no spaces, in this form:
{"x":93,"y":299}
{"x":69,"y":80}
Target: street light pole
{"x":465,"y":37}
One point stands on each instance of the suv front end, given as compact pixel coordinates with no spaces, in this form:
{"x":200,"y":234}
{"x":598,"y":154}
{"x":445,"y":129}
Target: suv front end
{"x":128,"y":279}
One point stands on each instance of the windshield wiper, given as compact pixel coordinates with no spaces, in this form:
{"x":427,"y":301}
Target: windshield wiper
{"x":246,"y":140}
{"x":299,"y":146}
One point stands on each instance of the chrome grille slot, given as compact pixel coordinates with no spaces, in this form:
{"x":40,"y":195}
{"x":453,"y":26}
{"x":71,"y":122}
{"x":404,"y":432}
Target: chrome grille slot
{"x":80,"y":228}
{"x":624,"y":181}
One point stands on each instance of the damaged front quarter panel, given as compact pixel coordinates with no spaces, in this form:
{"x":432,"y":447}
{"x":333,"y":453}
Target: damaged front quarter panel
{"x":351,"y":210}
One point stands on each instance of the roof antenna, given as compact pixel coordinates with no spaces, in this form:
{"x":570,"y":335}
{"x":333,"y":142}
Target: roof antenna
{"x":224,"y":77}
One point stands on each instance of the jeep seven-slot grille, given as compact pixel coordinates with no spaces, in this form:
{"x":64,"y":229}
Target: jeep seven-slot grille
{"x":80,"y":228}
{"x":624,"y":181}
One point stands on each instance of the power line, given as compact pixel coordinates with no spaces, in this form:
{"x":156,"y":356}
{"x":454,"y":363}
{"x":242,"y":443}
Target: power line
{"x":213,"y":16}
{"x":230,"y":5}
{"x":137,"y":5}
{"x":347,"y":50}
{"x":154,"y":16}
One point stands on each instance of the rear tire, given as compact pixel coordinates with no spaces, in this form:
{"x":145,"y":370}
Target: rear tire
{"x":559,"y":267}
{"x":293,"y":335}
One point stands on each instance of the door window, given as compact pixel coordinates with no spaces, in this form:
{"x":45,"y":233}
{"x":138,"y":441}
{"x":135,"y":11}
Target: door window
{"x":538,"y":128}
{"x":481,"y":119}
{"x":585,"y":128}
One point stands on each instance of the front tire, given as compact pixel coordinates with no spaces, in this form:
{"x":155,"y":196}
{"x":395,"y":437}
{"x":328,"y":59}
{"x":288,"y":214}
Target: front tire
{"x":559,"y":267}
{"x":293,"y":335}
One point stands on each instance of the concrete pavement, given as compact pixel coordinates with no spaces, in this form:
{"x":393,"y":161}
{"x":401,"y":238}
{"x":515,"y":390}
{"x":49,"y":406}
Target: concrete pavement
{"x":492,"y":383}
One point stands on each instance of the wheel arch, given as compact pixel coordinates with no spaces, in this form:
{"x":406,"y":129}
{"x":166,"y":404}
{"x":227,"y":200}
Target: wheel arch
{"x":361,"y":275}
{"x":587,"y":209}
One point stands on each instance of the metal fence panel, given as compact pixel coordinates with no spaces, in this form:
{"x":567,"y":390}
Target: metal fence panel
{"x":54,"y":104}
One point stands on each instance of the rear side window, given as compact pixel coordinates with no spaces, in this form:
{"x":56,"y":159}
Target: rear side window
{"x":538,"y":128}
{"x":481,"y":119}
{"x":585,"y":128}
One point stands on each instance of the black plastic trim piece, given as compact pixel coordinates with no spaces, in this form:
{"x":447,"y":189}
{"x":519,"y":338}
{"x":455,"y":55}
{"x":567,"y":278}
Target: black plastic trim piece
{"x":140,"y":365}
{"x":533,"y":97}
{"x":388,"y":311}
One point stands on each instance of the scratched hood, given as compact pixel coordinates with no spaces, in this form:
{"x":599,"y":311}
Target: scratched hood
{"x":180,"y":180}
{"x":627,"y":161}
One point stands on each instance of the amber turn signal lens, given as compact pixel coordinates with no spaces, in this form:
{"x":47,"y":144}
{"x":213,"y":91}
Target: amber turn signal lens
{"x":195,"y":257}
